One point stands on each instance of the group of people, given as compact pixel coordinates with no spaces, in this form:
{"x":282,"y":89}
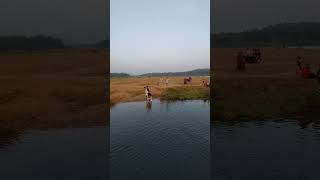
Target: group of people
{"x":249,"y":56}
{"x":205,"y":84}
{"x":187,"y":80}
{"x":253,"y":56}
{"x":161,"y":81}
{"x":148,"y":95}
{"x":305,"y":71}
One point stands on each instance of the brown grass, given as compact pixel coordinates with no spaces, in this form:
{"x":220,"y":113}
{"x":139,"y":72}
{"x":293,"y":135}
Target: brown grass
{"x":69,"y":88}
{"x":131,"y":89}
{"x":270,"y":89}
{"x":53,"y":89}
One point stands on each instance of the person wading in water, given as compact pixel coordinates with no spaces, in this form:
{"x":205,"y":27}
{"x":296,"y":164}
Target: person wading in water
{"x":148,"y":94}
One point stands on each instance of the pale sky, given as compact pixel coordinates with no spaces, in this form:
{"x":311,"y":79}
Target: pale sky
{"x":159,"y":35}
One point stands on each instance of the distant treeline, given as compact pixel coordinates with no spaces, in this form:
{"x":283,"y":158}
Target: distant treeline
{"x":24,"y":43}
{"x":118,"y":75}
{"x":103,"y":44}
{"x":285,"y":34}
{"x":41,"y":42}
{"x":99,"y":44}
{"x":196,"y":72}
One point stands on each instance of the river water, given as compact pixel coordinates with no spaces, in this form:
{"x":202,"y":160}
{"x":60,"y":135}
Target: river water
{"x":275,"y":149}
{"x":169,"y":140}
{"x":69,"y":153}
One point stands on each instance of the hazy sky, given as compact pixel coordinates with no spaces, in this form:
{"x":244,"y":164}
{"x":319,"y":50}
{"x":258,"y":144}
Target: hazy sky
{"x":88,"y":20}
{"x":159,"y":36}
{"x":79,"y":21}
{"x":238,"y":15}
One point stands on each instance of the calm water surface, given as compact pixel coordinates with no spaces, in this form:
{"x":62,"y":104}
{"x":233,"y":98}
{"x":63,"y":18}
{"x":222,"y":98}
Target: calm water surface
{"x":164,"y":141}
{"x":64,"y":154}
{"x":167,"y":140}
{"x":265,"y":150}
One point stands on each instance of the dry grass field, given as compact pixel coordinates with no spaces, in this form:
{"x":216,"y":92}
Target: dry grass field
{"x":69,"y":88}
{"x":132,"y":88}
{"x":267,"y":90}
{"x":53,"y":89}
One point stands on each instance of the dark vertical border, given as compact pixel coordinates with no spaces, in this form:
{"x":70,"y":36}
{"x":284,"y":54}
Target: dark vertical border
{"x":211,"y":93}
{"x":108,"y":86}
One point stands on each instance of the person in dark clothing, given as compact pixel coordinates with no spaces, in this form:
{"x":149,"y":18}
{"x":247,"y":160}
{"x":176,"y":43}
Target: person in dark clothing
{"x":241,"y":62}
{"x":149,"y":97}
{"x":259,"y":58}
{"x":299,"y":64}
{"x":318,"y":73}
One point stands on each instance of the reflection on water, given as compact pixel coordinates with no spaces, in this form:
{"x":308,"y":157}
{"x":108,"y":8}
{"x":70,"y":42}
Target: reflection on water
{"x":265,"y":150}
{"x":149,"y":105}
{"x":171,"y":141}
{"x":70,"y":153}
{"x":9,"y":138}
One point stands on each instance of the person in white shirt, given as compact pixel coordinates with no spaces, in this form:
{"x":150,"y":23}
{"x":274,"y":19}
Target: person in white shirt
{"x":146,"y":91}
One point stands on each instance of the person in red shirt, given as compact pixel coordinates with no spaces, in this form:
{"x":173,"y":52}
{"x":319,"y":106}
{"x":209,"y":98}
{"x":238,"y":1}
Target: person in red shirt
{"x":306,"y":72}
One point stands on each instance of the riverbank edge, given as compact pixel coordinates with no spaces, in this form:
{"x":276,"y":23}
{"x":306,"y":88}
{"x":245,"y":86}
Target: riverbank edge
{"x":289,"y":103}
{"x":240,"y":102}
{"x":177,"y":93}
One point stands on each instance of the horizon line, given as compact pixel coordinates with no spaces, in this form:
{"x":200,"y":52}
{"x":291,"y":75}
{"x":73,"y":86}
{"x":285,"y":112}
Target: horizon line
{"x":160,"y":72}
